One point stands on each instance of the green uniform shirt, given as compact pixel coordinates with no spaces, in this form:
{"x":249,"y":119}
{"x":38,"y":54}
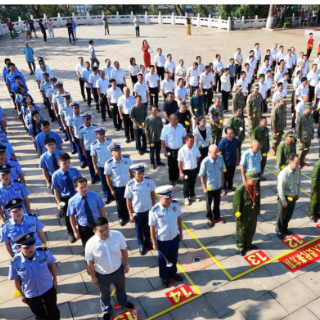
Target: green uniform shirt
{"x":238,"y":101}
{"x":305,"y":129}
{"x":262,"y":135}
{"x":253,"y":107}
{"x":216,"y":114}
{"x":315,"y":179}
{"x":288,"y":183}
{"x":279,"y":118}
{"x":237,"y":124}
{"x":283,"y":152}
{"x":154,"y":127}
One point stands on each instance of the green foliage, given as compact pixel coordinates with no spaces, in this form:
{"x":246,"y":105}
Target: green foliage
{"x":280,"y":24}
{"x":113,"y":9}
{"x":287,"y":24}
{"x":203,"y":10}
{"x":237,"y":11}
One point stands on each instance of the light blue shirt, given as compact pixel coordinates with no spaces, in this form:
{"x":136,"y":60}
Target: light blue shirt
{"x":35,"y":275}
{"x":65,"y":111}
{"x":88,"y":135}
{"x":251,"y":161}
{"x":15,"y":170}
{"x":10,"y":230}
{"x":46,"y":88}
{"x":100,"y":151}
{"x":39,"y":142}
{"x":139,"y":193}
{"x":75,"y":122}
{"x":10,"y":78}
{"x":211,"y":170}
{"x":118,"y":170}
{"x":46,"y":161}
{"x":165,"y":220}
{"x":51,"y":92}
{"x":28,"y":52}
{"x":76,"y":207}
{"x":59,"y":181}
{"x":9,"y":150}
{"x":58,"y":99}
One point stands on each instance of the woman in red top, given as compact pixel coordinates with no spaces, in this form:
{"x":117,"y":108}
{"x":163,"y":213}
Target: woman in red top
{"x":310,"y":45}
{"x":146,"y":53}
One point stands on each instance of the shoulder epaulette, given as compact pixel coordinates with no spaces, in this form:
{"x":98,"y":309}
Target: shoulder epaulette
{"x":146,"y":177}
{"x":110,"y":160}
{"x":126,"y":156}
{"x":32,"y":214}
{"x":94,"y":142}
{"x":155,"y":207}
{"x":130,"y":182}
{"x":42,"y":249}
{"x":174,"y":201}
{"x":81,"y":126}
{"x":5,"y":222}
{"x":13,"y":259}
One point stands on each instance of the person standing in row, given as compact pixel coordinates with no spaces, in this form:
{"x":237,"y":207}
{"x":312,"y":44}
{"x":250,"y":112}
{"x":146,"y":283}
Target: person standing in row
{"x":314,"y":206}
{"x":102,"y":86}
{"x":93,"y":78}
{"x":216,"y":121}
{"x":206,"y":86}
{"x":284,"y":149}
{"x":202,"y":138}
{"x":118,"y":74}
{"x":159,"y":61}
{"x":85,"y":74}
{"x":170,"y":107}
{"x":92,"y":54}
{"x":225,"y":89}
{"x":113,"y":95}
{"x":237,"y":124}
{"x":238,"y":100}
{"x":80,"y":67}
{"x":153,"y":82}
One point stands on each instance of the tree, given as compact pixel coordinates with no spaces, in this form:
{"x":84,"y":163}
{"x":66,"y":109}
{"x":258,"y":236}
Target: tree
{"x":237,"y":11}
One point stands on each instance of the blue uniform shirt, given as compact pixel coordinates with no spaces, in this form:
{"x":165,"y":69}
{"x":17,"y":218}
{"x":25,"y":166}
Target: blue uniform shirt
{"x":51,"y":92}
{"x":229,"y":151}
{"x":46,"y":161}
{"x":38,"y":130}
{"x":59,"y":181}
{"x":15,"y":86}
{"x":75,"y":122}
{"x":28,"y":119}
{"x":76,"y":207}
{"x":24,"y":110}
{"x":88,"y":135}
{"x":46,"y":88}
{"x":9,"y":150}
{"x":251,"y":161}
{"x":5,"y":71}
{"x":36,"y":278}
{"x":10,"y":78}
{"x":58,"y":99}
{"x":139,"y":193}
{"x":100,"y":151}
{"x":211,"y":170}
{"x":41,"y":137}
{"x":15,"y":170}
{"x":118,"y":170}
{"x":65,"y":111}
{"x":10,"y":230}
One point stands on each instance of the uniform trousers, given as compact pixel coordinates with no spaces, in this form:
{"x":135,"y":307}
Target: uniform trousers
{"x":93,"y":174}
{"x":81,"y":157}
{"x":94,"y":61}
{"x":72,"y":145}
{"x":238,"y":71}
{"x":117,"y":122}
{"x":142,"y":229}
{"x":105,"y":188}
{"x":284,"y":215}
{"x":246,"y":228}
{"x":105,"y":107}
{"x":276,"y":138}
{"x":303,"y":149}
{"x":155,"y":152}
{"x":170,"y":250}
{"x":45,"y":306}
{"x":81,"y":84}
{"x":264,"y":162}
{"x":88,"y":90}
{"x":121,"y":86}
{"x":314,"y":206}
{"x":225,"y":99}
{"x":216,"y":136}
{"x":160,"y":72}
{"x":228,"y":177}
{"x":96,"y":98}
{"x":86,"y":232}
{"x":140,"y":138}
{"x":189,"y":183}
{"x":192,"y":89}
{"x":289,"y":70}
{"x":71,"y":34}
{"x":128,"y":127}
{"x":154,"y":96}
{"x":116,"y":278}
{"x":121,"y":203}
{"x":50,"y":111}
{"x":173,"y":164}
{"x":218,"y":83}
{"x":67,"y":218}
{"x":311,"y":93}
{"x":215,"y":196}
{"x":207,"y":96}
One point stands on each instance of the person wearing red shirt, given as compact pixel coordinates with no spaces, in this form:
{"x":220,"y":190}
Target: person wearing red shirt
{"x":10,"y":27}
{"x":310,"y":45}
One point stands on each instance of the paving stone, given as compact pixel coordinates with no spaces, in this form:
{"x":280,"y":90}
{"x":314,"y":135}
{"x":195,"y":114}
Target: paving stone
{"x":311,"y":280}
{"x":314,"y":307}
{"x":303,"y":313}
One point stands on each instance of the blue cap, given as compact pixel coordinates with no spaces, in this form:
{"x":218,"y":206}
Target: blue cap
{"x":86,"y":115}
{"x":53,"y":79}
{"x":66,"y":95}
{"x":3,"y":149}
{"x":45,"y":73}
{"x":100,"y":130}
{"x":139,"y":167}
{"x":25,"y":239}
{"x":75,"y":105}
{"x":13,"y":204}
{"x":114,"y":146}
{"x":5,"y":168}
{"x":58,"y":84}
{"x":165,"y":191}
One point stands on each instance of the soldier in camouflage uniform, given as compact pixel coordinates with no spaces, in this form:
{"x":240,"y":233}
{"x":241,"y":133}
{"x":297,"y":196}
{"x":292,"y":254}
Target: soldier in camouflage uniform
{"x":284,"y":149}
{"x":238,"y":99}
{"x":304,"y":132}
{"x":314,"y":207}
{"x":278,"y":123}
{"x":246,"y":208}
{"x":261,"y":134}
{"x":253,"y":108}
{"x":216,"y":121}
{"x":238,"y":125}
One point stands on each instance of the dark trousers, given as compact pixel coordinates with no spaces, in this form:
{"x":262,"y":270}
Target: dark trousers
{"x":67,"y":218}
{"x":45,"y":307}
{"x":309,"y":53}
{"x":32,"y":66}
{"x":71,"y":34}
{"x":232,"y":79}
{"x":170,"y":250}
{"x":284,"y":215}
{"x":225,"y":99}
{"x":192,"y":89}
{"x":218,"y":83}
{"x":140,"y":138}
{"x":85,"y":234}
{"x":44,"y":36}
{"x":190,"y":183}
{"x":104,"y":185}
{"x":117,"y":122}
{"x":204,"y":153}
{"x":95,"y":61}
{"x":215,"y":196}
{"x":238,"y":71}
{"x":50,"y":111}
{"x":121,"y":86}
{"x":290,"y":70}
{"x":105,"y":107}
{"x":121,"y":203}
{"x":81,"y":83}
{"x":93,"y":174}
{"x":96,"y":97}
{"x":311,"y":93}
{"x":128,"y":127}
{"x":142,"y":229}
{"x":207,"y":95}
{"x":154,"y":96}
{"x":173,"y":164}
{"x":81,"y":157}
{"x":72,"y":145}
{"x":160,"y":72}
{"x":116,"y":278}
{"x":155,"y":152}
{"x":88,"y":90}
{"x":137,"y":31}
{"x":228,"y":177}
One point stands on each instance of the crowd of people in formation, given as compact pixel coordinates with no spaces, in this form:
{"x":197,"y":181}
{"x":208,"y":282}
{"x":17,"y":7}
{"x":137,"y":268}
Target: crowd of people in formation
{"x":192,"y":148}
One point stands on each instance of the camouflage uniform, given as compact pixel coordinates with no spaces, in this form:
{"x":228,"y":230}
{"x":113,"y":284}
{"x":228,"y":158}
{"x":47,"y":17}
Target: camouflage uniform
{"x":216,"y":133}
{"x":238,"y":101}
{"x":262,"y":135}
{"x":305,"y":131}
{"x":238,"y":126}
{"x":283,"y":151}
{"x":253,"y":109}
{"x":278,"y":125}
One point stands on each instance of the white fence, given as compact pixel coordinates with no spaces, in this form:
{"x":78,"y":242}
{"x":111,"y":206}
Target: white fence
{"x":210,"y":22}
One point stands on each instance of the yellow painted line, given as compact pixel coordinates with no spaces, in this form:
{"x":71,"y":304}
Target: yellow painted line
{"x":208,"y":252}
{"x":196,"y":290}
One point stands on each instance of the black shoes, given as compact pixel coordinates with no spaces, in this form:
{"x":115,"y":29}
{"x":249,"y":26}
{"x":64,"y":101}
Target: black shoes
{"x":82,"y":166}
{"x":142,"y":251}
{"x":177,"y":277}
{"x":129,"y":306}
{"x":72,"y":239}
{"x":314,"y":219}
{"x":73,"y":151}
{"x":242,"y":252}
{"x":93,"y":181}
{"x":281,"y":235}
{"x":107,"y":316}
{"x":232,"y":189}
{"x":288,"y":232}
{"x":161,"y":164}
{"x":252,"y":247}
{"x":123,"y":222}
{"x":165,"y":283}
{"x":154,"y":166}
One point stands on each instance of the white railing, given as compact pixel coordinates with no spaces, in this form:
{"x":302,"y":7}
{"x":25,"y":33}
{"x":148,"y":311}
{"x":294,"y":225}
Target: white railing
{"x":209,"y":22}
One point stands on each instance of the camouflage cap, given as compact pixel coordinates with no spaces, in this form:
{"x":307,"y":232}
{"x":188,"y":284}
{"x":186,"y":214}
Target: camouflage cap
{"x":238,"y":86}
{"x":289,"y":134}
{"x":256,"y":86}
{"x":252,"y":175}
{"x":308,"y":105}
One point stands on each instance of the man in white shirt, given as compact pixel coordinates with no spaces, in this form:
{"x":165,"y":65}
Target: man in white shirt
{"x":278,"y":93}
{"x":289,"y":61}
{"x":279,"y":75}
{"x":243,"y":82}
{"x":313,"y":77}
{"x":268,"y":82}
{"x":193,"y":78}
{"x":280,"y":54}
{"x":225,"y":89}
{"x":113,"y":95}
{"x":200,"y":64}
{"x":188,"y":158}
{"x":206,"y":86}
{"x":238,"y":59}
{"x":117,"y":74}
{"x":263,"y":91}
{"x":102,"y":86}
{"x":301,"y":90}
{"x":301,"y":106}
{"x":180,"y":92}
{"x":159,"y":61}
{"x":107,"y":261}
{"x":140,"y":88}
{"x":217,"y":67}
{"x":172,"y":138}
{"x":78,"y":69}
{"x":317,"y":94}
{"x":257,"y":56}
{"x":294,"y":57}
{"x":153,"y":83}
{"x":166,"y":85}
{"x":170,"y":66}
{"x":107,"y":69}
{"x":93,"y":78}
{"x":85,"y":78}
{"x":317,"y":61}
{"x":265,"y":67}
{"x":181,"y":71}
{"x":273,"y":53}
{"x":92,"y":54}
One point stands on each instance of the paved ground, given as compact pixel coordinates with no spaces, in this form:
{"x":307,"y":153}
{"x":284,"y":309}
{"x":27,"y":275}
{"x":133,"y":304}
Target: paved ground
{"x":270,"y":292}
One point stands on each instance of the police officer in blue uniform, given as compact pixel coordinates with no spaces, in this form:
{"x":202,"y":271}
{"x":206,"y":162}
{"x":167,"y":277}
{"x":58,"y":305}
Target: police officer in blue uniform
{"x":9,"y":150}
{"x":86,"y":137}
{"x":63,"y":188}
{"x":10,"y":189}
{"x":100,"y":155}
{"x":45,"y":89}
{"x":74,"y":122}
{"x":34,"y":273}
{"x":20,"y":223}
{"x":49,"y":95}
{"x":118,"y":174}
{"x":166,"y":233}
{"x":140,"y":197}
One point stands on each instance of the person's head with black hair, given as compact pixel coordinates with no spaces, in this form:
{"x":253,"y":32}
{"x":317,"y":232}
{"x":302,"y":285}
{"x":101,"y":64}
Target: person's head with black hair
{"x":45,"y":127}
{"x":101,"y":228}
{"x":7,"y":61}
{"x":91,"y":42}
{"x":35,"y":123}
{"x":50,"y":145}
{"x":64,"y":161}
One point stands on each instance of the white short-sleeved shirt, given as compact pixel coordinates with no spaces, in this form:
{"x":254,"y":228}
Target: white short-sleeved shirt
{"x":141,"y":89}
{"x":278,"y":76}
{"x":170,"y":65}
{"x":118,"y":75}
{"x":114,"y":95}
{"x":182,"y":93}
{"x":313,"y":78}
{"x":167,"y":86}
{"x":289,"y":60}
{"x":86,"y":74}
{"x":273,"y":53}
{"x":264,"y":69}
{"x":206,"y":79}
{"x":301,"y":90}
{"x":152,"y":80}
{"x":79,"y":68}
{"x":119,"y":171}
{"x":193,"y":75}
{"x":263,"y":89}
{"x":93,"y":78}
{"x":107,"y":71}
{"x":300,"y":108}
{"x":257,"y":54}
{"x":317,"y":91}
{"x":244,"y":85}
{"x":296,"y":83}
{"x":276,"y":95}
{"x":103,"y":85}
{"x":106,"y":254}
{"x":268,"y":82}
{"x":126,"y":104}
{"x":189,"y":157}
{"x":159,"y":61}
{"x":134,"y":69}
{"x":218,"y":65}
{"x":200,"y":67}
{"x":280,"y":55}
{"x":173,"y":136}
{"x":238,"y":57}
{"x":181,"y":69}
